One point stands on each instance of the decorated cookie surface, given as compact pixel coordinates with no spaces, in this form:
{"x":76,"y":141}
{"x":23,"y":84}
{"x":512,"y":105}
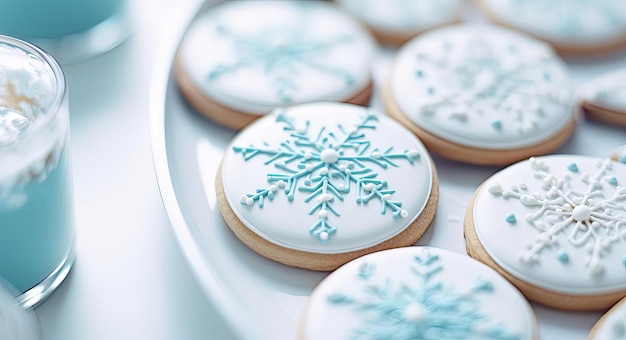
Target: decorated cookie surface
{"x":607,"y":91}
{"x":403,"y":16}
{"x":416,"y":293}
{"x":557,"y":222}
{"x":257,"y":55}
{"x":612,"y":326}
{"x":326,"y":178}
{"x":566,"y":22}
{"x":482,"y":86}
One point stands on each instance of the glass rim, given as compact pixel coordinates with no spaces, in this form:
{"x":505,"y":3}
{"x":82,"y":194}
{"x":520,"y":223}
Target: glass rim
{"x":60,"y":92}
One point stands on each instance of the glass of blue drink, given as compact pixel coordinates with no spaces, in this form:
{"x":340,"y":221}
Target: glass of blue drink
{"x":70,"y":30}
{"x":36,"y":202}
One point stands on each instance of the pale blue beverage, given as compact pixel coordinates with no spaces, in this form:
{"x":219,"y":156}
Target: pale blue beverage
{"x":68,"y":29}
{"x":36,"y":203}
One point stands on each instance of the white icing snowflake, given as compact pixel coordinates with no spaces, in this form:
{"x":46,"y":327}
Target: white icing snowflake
{"x":487,"y":89}
{"x":325,"y":166}
{"x":592,"y":219}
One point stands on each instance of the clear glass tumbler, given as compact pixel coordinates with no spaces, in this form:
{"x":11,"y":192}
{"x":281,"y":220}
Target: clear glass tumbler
{"x":70,"y":30}
{"x":36,"y":201}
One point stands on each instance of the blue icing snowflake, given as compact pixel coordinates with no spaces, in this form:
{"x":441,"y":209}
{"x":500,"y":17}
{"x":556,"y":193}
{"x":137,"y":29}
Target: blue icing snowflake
{"x":281,"y":54}
{"x":425,"y":308}
{"x":326,"y":167}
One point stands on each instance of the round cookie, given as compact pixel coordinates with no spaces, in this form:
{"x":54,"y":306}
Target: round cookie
{"x":416,"y":293}
{"x":241,"y":59}
{"x":604,"y":98}
{"x":555,"y":226}
{"x":394,"y":22}
{"x":572,"y":27}
{"x":317,"y":185}
{"x":612,"y":325}
{"x":481,"y":94}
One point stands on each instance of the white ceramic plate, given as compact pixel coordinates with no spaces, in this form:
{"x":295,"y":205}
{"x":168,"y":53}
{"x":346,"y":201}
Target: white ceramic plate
{"x":261,"y":299}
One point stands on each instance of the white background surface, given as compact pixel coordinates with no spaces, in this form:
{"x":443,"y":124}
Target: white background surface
{"x":130,"y":280}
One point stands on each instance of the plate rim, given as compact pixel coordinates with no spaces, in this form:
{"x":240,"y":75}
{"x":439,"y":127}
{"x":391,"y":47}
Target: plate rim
{"x":159,"y":83}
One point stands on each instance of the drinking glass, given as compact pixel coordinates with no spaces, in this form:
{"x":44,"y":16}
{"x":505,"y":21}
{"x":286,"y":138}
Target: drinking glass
{"x":36,"y":201}
{"x":70,"y":30}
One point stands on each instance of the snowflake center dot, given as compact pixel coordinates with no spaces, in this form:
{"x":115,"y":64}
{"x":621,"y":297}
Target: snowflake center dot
{"x":581,"y":213}
{"x":329,"y":156}
{"x":414,"y":312}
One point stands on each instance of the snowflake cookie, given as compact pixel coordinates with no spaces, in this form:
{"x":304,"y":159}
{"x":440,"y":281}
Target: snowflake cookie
{"x":241,"y":59}
{"x":612,"y":325}
{"x":396,"y":21}
{"x":416,"y":293}
{"x":571,"y":26}
{"x":482,"y":94}
{"x":604,"y":97}
{"x":316,"y":185}
{"x":556,"y":227}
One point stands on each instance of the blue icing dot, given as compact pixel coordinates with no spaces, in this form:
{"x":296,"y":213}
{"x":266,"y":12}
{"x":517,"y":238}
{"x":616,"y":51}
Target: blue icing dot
{"x":573,"y":167}
{"x":511,"y":219}
{"x":623,"y":158}
{"x":431,"y":90}
{"x":563,"y":257}
{"x":612,"y":181}
{"x":497,"y":124}
{"x":419,"y":73}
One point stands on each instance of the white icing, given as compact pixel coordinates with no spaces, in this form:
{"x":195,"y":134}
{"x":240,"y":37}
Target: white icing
{"x":390,"y":300}
{"x":569,"y":234}
{"x":32,"y":132}
{"x":483,"y":86}
{"x":580,"y":22}
{"x":607,"y":91}
{"x":403,"y":16}
{"x":613,"y":327}
{"x":360,"y":225}
{"x":257,"y":55}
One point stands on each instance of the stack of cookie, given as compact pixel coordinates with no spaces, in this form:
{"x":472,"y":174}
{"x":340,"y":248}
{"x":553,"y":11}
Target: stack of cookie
{"x":316,"y":182}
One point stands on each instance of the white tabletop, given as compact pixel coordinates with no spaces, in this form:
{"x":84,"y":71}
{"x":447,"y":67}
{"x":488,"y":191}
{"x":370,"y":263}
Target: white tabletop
{"x":130,"y":279}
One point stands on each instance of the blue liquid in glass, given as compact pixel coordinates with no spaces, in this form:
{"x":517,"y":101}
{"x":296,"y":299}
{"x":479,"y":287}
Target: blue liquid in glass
{"x":36,"y":236}
{"x":49,"y":19}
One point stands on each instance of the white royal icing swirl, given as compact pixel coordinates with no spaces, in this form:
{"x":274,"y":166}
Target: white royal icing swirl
{"x":257,"y":55}
{"x":403,"y":16}
{"x":572,"y":22}
{"x":326,"y":177}
{"x":416,"y":293}
{"x":607,"y":91}
{"x":557,"y":222}
{"x":482,"y":86}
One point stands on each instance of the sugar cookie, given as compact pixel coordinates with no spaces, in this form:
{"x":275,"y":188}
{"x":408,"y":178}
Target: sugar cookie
{"x":416,"y":293}
{"x":572,"y":27}
{"x":394,"y":22}
{"x":604,"y":98}
{"x":241,"y":59}
{"x":317,"y":185}
{"x":612,"y":325}
{"x":482,"y":94}
{"x":555,"y":226}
